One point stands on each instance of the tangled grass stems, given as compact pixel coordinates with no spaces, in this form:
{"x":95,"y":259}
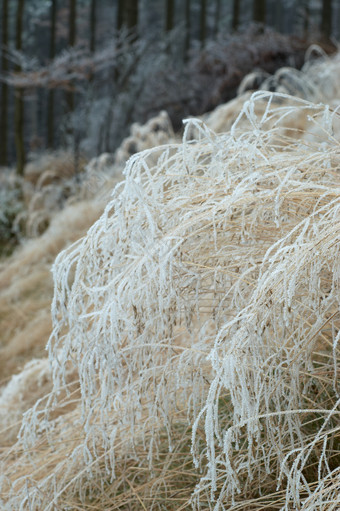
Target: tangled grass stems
{"x":201,"y":315}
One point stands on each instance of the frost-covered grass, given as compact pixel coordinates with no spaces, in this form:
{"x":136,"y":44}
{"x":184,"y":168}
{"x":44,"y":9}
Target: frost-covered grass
{"x":26,"y":287}
{"x":200,"y":318}
{"x":63,"y":205}
{"x":11,"y":205}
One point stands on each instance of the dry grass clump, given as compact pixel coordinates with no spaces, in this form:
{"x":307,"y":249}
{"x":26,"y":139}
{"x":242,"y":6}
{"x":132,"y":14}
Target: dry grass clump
{"x":49,"y":181}
{"x":104,"y":171}
{"x":201,"y":316}
{"x":155,"y":132}
{"x":318,"y":80}
{"x":47,"y":167}
{"x":54,"y":180}
{"x":26,"y":287}
{"x":11,"y":206}
{"x":21,"y":393}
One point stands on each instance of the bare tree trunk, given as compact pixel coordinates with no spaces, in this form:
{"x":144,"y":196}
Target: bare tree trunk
{"x":131,"y":14}
{"x":236,"y":15}
{"x":72,"y":33}
{"x":203,"y":22}
{"x":4,"y":86}
{"x":120,"y":14}
{"x":217,"y":16}
{"x":127,"y":14}
{"x":19,"y":103}
{"x":326,"y":18}
{"x":170,"y":11}
{"x":50,"y":99}
{"x":93,"y":23}
{"x":71,"y":42}
{"x":187,"y":28}
{"x":279,"y":18}
{"x":72,"y":129}
{"x":259,"y":11}
{"x":93,"y":26}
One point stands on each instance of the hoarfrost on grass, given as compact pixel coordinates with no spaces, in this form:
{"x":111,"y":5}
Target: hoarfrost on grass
{"x":207,"y":294}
